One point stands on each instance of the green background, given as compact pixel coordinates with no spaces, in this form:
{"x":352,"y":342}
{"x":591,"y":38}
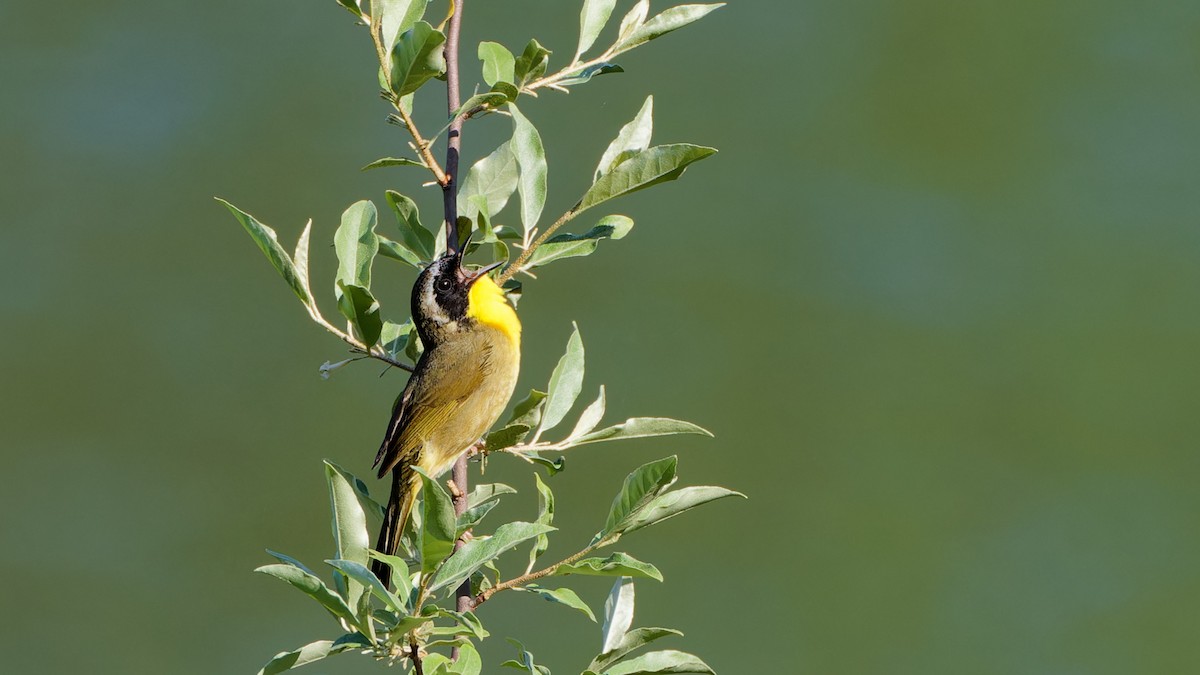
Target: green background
{"x":936,"y":296}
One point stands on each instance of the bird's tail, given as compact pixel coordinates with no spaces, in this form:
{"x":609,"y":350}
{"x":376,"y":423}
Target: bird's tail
{"x":404,"y":494}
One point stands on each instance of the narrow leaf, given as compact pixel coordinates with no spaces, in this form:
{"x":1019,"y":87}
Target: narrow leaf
{"x":526,"y":146}
{"x":529,"y":410}
{"x":284,"y":661}
{"x":615,"y":565}
{"x":312,"y":586}
{"x":634,"y":639}
{"x":586,"y":74}
{"x":565,"y":383}
{"x":545,"y":517}
{"x":663,"y":23}
{"x":400,"y":576}
{"x":661,"y":663}
{"x":618,"y":613}
{"x":563,"y":596}
{"x":369,"y":581}
{"x":284,"y":558}
{"x":676,"y":502}
{"x":506,"y":437}
{"x":438,"y":523}
{"x":633,"y":19}
{"x":641,"y":486}
{"x":268,"y":243}
{"x":633,"y":137}
{"x":488,"y":492}
{"x":482,"y":550}
{"x":300,"y":260}
{"x":349,"y":526}
{"x":531,"y":64}
{"x":591,"y":21}
{"x":590,"y":417}
{"x":498,"y":63}
{"x":641,"y":427}
{"x":643,"y":169}
{"x":392,"y":161}
{"x":574,"y":245}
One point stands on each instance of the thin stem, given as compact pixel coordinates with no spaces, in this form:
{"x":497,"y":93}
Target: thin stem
{"x":552,"y":81}
{"x":376,"y":29}
{"x":375,"y":352}
{"x":531,"y":576}
{"x":415,"y":654}
{"x":517,"y":264}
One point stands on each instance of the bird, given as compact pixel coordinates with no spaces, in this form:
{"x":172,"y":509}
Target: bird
{"x":459,"y":386}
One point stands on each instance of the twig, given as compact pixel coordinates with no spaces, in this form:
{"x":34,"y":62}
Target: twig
{"x":385,"y":62}
{"x":415,"y":655}
{"x":531,"y":576}
{"x":375,"y":352}
{"x":516,"y":265}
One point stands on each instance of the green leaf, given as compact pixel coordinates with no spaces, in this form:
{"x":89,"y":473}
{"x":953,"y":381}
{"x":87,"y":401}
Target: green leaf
{"x":498,"y":63}
{"x":574,"y":245}
{"x":545,"y":517}
{"x":481,"y":550}
{"x":632,"y":640}
{"x":663,"y":23}
{"x":526,"y":146}
{"x":392,"y":161}
{"x":590,"y":417}
{"x":615,"y":565}
{"x":362,"y":309}
{"x":661,"y":663}
{"x":356,"y":244}
{"x":524,"y":660}
{"x":633,"y":19}
{"x":466,"y":624}
{"x":640,"y":427}
{"x":643,"y":169}
{"x":397,"y":251}
{"x":492,"y":179}
{"x":300,"y":260}
{"x":529,"y":410}
{"x":413,"y":235}
{"x":591,"y":21}
{"x":416,"y":57}
{"x":586,"y":74}
{"x":488,"y":492}
{"x":468,"y":662}
{"x":349,"y":526}
{"x":563,"y":596}
{"x":618,"y":613}
{"x":509,"y":90}
{"x":438,"y":523}
{"x":351,"y":6}
{"x":632,"y":138}
{"x":268,"y":243}
{"x":400,"y":577}
{"x":283,"y":661}
{"x":531,"y":64}
{"x":565,"y":383}
{"x":488,"y":101}
{"x":369,"y":581}
{"x":394,"y":337}
{"x":284,"y":558}
{"x":676,"y":502}
{"x":312,"y":586}
{"x":396,"y":16}
{"x":471,"y":518}
{"x":506,"y":437}
{"x":641,"y":486}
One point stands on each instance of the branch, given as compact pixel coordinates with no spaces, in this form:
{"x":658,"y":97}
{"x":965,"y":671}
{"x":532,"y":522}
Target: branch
{"x":551,"y":81}
{"x":517,"y":264}
{"x":531,"y":576}
{"x":454,"y":137}
{"x":385,"y":63}
{"x":375,"y":352}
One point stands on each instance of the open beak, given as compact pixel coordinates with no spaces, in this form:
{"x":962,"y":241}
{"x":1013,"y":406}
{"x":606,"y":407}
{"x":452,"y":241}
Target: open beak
{"x":469,"y":277}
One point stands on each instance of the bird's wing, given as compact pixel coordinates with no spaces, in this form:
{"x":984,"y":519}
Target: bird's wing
{"x":429,"y":402}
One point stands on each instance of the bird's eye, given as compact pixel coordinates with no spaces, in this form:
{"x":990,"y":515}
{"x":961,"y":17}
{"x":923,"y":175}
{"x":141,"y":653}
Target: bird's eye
{"x":443,"y":284}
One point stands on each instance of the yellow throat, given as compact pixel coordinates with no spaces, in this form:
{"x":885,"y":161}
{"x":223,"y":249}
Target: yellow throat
{"x":487,"y":305}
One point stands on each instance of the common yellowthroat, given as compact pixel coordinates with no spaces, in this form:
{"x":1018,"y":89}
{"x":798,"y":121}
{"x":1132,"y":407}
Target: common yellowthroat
{"x":459,"y":387}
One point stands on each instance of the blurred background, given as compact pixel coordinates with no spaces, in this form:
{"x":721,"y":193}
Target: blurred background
{"x":936,"y":297}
